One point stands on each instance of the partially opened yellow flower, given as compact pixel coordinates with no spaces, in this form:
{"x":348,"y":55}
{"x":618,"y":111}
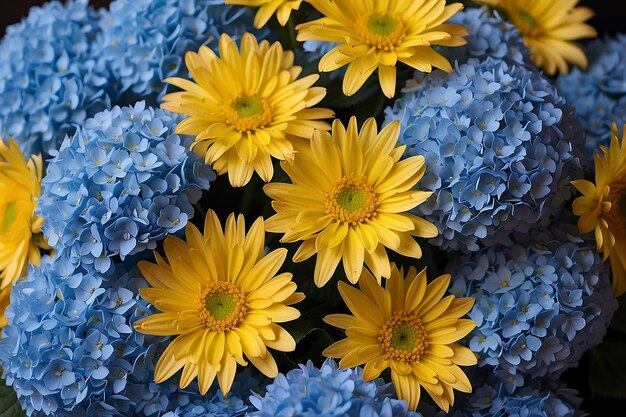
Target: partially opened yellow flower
{"x":377,"y":34}
{"x":349,"y":200}
{"x":548,"y":28}
{"x":410,"y":327}
{"x":20,"y":228}
{"x":602,"y":206}
{"x":267,"y":8}
{"x":221,"y":298}
{"x":246,"y":107}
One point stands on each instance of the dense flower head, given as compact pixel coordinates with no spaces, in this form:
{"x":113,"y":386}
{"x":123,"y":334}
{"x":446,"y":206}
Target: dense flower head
{"x":20,"y":227}
{"x":349,"y":200}
{"x":143,"y":42}
{"x":488,"y":35}
{"x":374,"y":36}
{"x":119,"y":185}
{"x":70,"y":350}
{"x":236,"y":404}
{"x":222,"y":299}
{"x":494,"y":400}
{"x":328,"y":391}
{"x":246,"y":106}
{"x":540,"y":303}
{"x":599,"y":92}
{"x":498,"y":143}
{"x":69,"y":345}
{"x":49,"y":81}
{"x":551,"y":29}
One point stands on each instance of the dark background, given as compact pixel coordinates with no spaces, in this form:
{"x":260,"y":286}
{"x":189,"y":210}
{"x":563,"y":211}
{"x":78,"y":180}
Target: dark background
{"x":608,"y":21}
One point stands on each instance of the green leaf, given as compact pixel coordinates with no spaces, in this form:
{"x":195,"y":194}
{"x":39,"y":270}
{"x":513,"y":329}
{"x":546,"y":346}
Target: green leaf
{"x":607,"y":374}
{"x":9,"y":407}
{"x":311,"y":347}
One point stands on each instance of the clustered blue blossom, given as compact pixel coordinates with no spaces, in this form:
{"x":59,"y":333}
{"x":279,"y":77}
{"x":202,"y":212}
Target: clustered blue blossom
{"x":49,"y":80}
{"x":540,"y":304}
{"x":70,"y":349}
{"x":493,"y":400}
{"x":497,"y":139}
{"x":488,"y":36}
{"x":142,"y":42}
{"x":328,"y":391}
{"x":65,"y":62}
{"x":119,"y":185}
{"x":599,"y":92}
{"x":237,"y":403}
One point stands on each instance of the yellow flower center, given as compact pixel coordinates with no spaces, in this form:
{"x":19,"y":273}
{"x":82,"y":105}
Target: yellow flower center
{"x":221,"y":306}
{"x":403,"y":337}
{"x":10,"y":214}
{"x":526,"y":23}
{"x":351,"y":200}
{"x":382,"y":31}
{"x":248,"y":113}
{"x":615,"y":214}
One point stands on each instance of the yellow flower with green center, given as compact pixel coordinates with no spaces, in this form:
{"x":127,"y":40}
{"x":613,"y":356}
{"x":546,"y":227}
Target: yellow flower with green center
{"x":602,"y":206}
{"x":376,"y":35}
{"x":267,"y":8}
{"x":349,"y":200}
{"x":548,"y":28}
{"x":410,"y":327}
{"x":220,"y":297}
{"x":20,"y":228}
{"x":246,"y":106}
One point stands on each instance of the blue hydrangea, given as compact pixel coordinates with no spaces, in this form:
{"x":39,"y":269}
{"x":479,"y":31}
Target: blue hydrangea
{"x":214,"y":404}
{"x":493,"y":400}
{"x":488,"y":36}
{"x":70,"y":349}
{"x":540,"y":303}
{"x":599,"y":92}
{"x":497,"y":139}
{"x":119,"y":185}
{"x":49,"y":81}
{"x":142,"y":42}
{"x":328,"y":391}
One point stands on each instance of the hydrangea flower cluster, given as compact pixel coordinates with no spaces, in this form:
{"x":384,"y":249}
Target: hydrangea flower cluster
{"x":49,"y":81}
{"x":599,"y":92}
{"x":488,"y":35}
{"x":215,"y":405}
{"x":493,"y":400}
{"x":143,"y":42}
{"x":119,"y":185}
{"x":497,"y":139}
{"x":69,"y":349}
{"x":540,"y":304}
{"x":328,"y":391}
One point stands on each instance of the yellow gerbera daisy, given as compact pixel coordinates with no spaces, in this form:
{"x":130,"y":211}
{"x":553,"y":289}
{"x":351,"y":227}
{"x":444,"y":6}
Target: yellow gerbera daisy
{"x":20,"y":227}
{"x":246,"y":106}
{"x":267,"y":8}
{"x":219,"y":296}
{"x":349,"y":200}
{"x":602,"y":207}
{"x":377,"y":34}
{"x":410,"y":328}
{"x":548,"y":28}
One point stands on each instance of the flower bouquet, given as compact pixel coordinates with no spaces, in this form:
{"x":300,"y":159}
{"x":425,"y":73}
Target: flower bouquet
{"x":310,"y":208}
